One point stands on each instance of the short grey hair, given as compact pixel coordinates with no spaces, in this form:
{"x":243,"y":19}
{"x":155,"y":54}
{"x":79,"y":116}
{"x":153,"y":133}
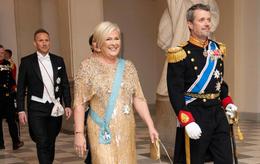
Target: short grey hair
{"x":190,"y":11}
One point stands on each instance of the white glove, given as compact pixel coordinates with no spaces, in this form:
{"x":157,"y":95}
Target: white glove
{"x":193,"y":130}
{"x":231,"y":110}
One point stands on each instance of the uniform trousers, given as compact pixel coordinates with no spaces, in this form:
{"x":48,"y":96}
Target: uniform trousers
{"x":8,"y":111}
{"x":214,"y":143}
{"x":43,"y":130}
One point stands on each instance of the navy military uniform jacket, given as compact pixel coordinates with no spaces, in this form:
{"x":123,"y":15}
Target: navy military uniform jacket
{"x":7,"y":111}
{"x":7,"y":81}
{"x":185,"y":66}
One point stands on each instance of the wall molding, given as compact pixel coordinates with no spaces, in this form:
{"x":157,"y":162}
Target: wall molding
{"x":249,"y":116}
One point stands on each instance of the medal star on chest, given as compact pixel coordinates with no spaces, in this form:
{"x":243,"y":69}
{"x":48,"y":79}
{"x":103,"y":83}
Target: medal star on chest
{"x":216,"y":74}
{"x":218,"y":86}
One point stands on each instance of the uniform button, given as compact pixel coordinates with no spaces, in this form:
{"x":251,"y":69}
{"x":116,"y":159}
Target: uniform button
{"x":188,"y":52}
{"x":220,"y":64}
{"x":195,"y":67}
{"x":204,"y":100}
{"x":192,"y":59}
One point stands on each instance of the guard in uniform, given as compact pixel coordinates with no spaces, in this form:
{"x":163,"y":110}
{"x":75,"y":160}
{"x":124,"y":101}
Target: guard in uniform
{"x":7,"y":88}
{"x":199,"y":95}
{"x":8,"y":57}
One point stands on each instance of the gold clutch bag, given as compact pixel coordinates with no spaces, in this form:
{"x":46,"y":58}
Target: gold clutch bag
{"x":155,"y":150}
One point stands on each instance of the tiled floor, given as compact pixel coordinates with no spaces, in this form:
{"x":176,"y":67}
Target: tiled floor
{"x":248,"y":150}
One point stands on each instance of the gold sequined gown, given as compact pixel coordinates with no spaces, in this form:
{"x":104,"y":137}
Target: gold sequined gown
{"x":93,"y":84}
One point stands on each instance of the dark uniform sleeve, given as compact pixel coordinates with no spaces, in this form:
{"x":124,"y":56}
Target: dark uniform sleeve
{"x":175,"y":83}
{"x":224,"y":90}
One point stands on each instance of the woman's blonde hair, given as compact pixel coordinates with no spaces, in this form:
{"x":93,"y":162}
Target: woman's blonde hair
{"x":102,"y":30}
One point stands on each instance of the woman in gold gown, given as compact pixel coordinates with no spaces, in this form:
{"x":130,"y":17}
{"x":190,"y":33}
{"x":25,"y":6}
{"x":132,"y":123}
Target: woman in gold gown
{"x":93,"y":86}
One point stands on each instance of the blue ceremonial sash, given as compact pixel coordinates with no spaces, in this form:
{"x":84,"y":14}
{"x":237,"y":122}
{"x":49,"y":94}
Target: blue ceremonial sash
{"x":205,"y":75}
{"x":104,"y":132}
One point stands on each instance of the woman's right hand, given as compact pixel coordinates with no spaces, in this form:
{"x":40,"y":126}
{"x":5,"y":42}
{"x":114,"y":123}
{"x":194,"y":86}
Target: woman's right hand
{"x":154,"y":135}
{"x":80,"y":144}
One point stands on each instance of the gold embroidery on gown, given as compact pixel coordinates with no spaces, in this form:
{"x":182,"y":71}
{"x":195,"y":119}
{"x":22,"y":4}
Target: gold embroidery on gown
{"x":93,"y":84}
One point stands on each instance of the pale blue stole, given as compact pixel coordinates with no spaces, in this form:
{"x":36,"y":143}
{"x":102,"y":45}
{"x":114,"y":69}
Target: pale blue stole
{"x":205,"y":75}
{"x":104,"y":132}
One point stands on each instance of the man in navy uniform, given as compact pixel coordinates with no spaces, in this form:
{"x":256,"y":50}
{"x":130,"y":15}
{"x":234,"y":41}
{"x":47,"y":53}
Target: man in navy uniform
{"x":199,"y":95}
{"x":8,"y":56}
{"x":7,"y":89}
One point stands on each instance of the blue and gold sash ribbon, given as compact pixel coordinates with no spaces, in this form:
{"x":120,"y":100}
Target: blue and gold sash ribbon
{"x":104,"y":133}
{"x":205,"y":76}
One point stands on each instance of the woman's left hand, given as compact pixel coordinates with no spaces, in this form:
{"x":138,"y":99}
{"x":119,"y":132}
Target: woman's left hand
{"x":80,"y":144}
{"x":153,"y":134}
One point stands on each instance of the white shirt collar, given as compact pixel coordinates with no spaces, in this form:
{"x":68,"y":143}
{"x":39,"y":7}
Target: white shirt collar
{"x":42,"y":57}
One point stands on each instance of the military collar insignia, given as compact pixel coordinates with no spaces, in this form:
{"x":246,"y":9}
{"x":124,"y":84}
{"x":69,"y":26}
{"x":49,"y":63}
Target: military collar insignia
{"x":198,"y":42}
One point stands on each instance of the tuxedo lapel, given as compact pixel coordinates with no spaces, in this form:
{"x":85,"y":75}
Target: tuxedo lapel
{"x":54,"y":67}
{"x":36,"y":67}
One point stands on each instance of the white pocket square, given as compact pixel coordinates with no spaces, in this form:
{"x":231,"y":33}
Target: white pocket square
{"x":59,"y":68}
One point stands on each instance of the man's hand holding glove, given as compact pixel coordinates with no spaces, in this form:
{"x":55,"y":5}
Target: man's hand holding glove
{"x":192,"y":128}
{"x":229,"y":107}
{"x":231,"y":110}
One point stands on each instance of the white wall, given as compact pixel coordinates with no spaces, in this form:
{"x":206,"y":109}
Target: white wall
{"x":247,"y":68}
{"x":225,"y":33}
{"x":27,"y":20}
{"x":258,"y":54}
{"x":85,"y":15}
{"x":49,"y":18}
{"x":7,"y":26}
{"x":138,"y":21}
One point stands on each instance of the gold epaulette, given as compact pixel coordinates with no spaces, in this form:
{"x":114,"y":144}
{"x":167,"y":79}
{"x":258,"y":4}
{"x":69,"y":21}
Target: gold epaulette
{"x":176,"y":54}
{"x":222,"y":48}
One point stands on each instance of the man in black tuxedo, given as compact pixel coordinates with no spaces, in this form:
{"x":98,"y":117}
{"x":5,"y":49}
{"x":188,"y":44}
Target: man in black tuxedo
{"x":43,"y":76}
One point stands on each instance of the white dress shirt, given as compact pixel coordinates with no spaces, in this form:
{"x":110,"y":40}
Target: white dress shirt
{"x":47,"y":78}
